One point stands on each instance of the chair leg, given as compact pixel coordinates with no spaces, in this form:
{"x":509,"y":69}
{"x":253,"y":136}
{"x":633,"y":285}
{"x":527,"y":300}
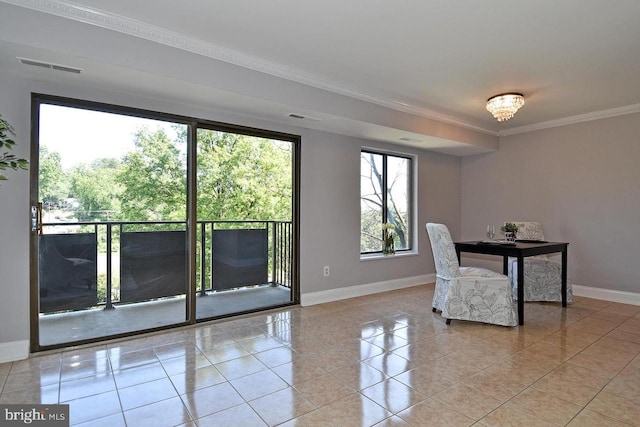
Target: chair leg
{"x":433,"y":309}
{"x":448,"y":321}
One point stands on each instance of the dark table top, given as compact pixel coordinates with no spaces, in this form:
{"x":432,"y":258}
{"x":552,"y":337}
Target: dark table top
{"x":518,"y":249}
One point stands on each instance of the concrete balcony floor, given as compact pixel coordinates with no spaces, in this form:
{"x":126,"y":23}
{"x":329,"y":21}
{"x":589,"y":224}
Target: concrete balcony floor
{"x":74,"y":326}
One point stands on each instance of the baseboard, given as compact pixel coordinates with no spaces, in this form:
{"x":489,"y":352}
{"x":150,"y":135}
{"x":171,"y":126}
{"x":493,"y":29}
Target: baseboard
{"x":321,"y":297}
{"x":14,"y":350}
{"x":607,"y":294}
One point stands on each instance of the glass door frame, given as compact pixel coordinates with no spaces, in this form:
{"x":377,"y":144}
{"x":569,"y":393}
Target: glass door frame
{"x":191,"y":212}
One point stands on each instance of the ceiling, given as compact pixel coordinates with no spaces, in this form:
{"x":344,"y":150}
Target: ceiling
{"x":436,"y":60}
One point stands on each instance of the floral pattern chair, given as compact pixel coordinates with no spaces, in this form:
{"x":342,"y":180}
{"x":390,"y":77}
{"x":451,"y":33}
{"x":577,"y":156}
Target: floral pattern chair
{"x":542,"y":276}
{"x":468,"y":293}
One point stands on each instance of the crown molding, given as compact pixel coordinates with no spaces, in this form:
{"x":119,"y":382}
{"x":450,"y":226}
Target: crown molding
{"x":596,"y":115}
{"x":142,"y":30}
{"x":133,"y":27}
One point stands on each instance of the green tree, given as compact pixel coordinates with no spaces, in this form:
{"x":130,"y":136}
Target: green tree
{"x":54,"y":183}
{"x":153,"y":177}
{"x":239,"y":177}
{"x":97,"y":189}
{"x":243,"y":177}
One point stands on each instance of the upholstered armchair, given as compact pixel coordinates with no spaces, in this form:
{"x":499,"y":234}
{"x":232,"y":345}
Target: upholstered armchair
{"x":542,"y":276}
{"x":468,"y":293}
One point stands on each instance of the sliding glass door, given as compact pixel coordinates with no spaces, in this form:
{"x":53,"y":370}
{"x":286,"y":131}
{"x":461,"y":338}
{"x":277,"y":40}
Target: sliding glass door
{"x":142,"y":221}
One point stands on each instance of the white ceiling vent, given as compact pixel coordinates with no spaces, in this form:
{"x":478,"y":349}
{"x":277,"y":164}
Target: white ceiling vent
{"x":49,"y":65}
{"x":301,"y":117}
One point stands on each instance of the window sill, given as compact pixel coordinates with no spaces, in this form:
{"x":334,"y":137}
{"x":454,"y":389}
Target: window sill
{"x":370,"y":257}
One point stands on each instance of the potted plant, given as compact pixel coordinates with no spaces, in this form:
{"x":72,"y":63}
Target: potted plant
{"x":509,"y":229}
{"x":8,"y":160}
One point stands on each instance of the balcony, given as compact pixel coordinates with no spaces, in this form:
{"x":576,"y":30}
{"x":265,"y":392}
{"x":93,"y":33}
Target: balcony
{"x":109,"y":279}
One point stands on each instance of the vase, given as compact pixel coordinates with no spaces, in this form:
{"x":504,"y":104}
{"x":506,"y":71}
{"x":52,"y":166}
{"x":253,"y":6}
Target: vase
{"x":510,"y":236}
{"x":388,"y":247}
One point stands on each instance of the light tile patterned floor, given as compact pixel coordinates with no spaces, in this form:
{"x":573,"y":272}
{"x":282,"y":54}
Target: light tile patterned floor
{"x":383,"y":360}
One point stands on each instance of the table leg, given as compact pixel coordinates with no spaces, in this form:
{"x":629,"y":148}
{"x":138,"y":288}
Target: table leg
{"x":458,"y":255}
{"x":505,"y":265}
{"x":521,"y":290}
{"x":564,"y":277}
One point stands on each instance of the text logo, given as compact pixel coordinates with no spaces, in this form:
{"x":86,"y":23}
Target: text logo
{"x":34,"y":415}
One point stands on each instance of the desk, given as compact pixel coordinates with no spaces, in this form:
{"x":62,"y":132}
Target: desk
{"x":520,"y":251}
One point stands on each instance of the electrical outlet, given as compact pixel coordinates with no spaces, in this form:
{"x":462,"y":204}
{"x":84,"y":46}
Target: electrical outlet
{"x":326,"y":271}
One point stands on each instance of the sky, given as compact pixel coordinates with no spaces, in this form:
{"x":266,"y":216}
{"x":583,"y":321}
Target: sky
{"x":81,"y":136}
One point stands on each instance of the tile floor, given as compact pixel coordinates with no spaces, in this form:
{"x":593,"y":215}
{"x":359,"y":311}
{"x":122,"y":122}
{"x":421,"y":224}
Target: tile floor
{"x":383,"y":360}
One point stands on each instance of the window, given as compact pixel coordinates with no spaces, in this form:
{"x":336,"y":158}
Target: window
{"x":386,"y":196}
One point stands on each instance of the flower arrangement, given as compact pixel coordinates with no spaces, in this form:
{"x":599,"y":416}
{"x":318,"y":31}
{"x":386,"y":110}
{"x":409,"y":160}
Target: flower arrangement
{"x":509,"y":227}
{"x":388,"y":247}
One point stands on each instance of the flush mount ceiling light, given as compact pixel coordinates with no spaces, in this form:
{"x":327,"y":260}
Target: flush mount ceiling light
{"x":505,"y":105}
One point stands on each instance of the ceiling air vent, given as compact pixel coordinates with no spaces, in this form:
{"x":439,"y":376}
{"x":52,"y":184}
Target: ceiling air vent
{"x":49,"y":65}
{"x":407,"y":139}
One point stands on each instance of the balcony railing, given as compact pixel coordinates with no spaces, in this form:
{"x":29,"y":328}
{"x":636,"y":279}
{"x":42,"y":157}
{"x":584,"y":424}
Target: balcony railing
{"x":88,"y":264}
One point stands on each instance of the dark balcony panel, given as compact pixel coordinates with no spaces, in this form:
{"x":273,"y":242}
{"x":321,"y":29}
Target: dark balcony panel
{"x":67,"y":271}
{"x":153,"y":264}
{"x":240,"y":258}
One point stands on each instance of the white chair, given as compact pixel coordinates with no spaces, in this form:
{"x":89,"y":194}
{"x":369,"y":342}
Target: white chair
{"x":468,"y":293}
{"x":542,"y":276}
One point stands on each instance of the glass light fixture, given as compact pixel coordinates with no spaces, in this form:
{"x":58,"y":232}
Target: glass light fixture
{"x":505,"y":105}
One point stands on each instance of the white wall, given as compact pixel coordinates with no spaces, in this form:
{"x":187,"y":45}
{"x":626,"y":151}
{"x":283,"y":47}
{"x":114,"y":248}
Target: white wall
{"x":329,"y":204}
{"x":14,"y":228}
{"x":331,"y":212}
{"x":581,"y":181}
